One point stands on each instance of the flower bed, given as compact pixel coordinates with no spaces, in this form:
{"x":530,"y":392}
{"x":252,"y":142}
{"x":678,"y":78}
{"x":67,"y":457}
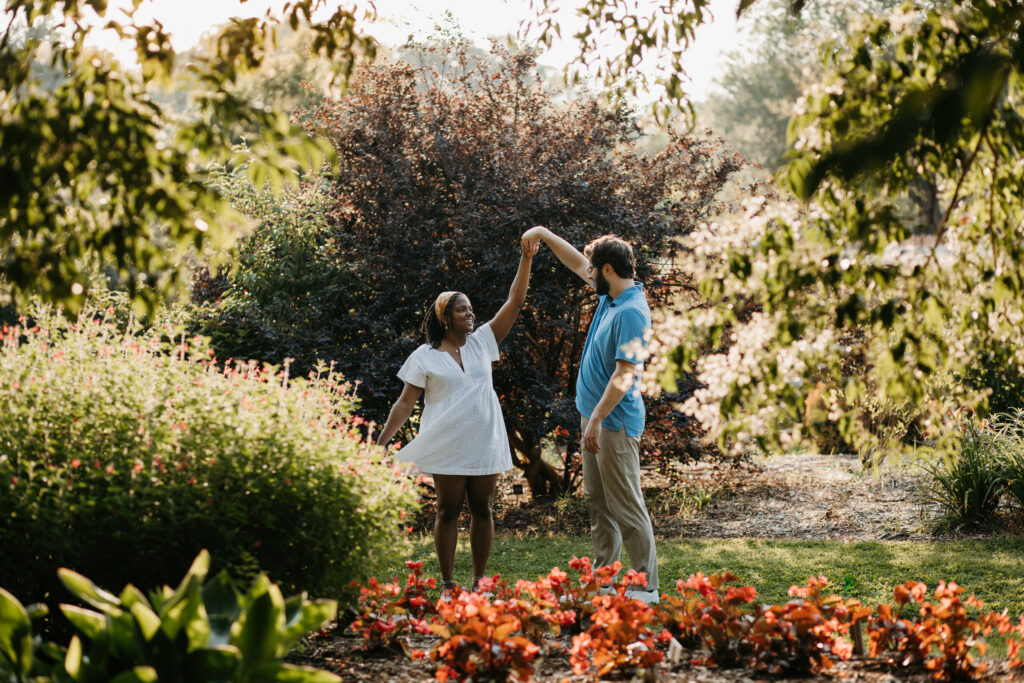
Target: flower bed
{"x":708,"y":623}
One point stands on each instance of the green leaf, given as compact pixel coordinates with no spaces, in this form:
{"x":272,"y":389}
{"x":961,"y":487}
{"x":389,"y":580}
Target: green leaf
{"x":89,"y":592}
{"x":148,"y":621}
{"x":289,"y":673}
{"x":212,"y":663}
{"x":223,"y":605}
{"x":89,"y":623}
{"x":73,"y":658}
{"x":140,"y":674}
{"x":15,"y":634}
{"x":131,"y":595}
{"x":308,"y":617}
{"x":258,"y":632}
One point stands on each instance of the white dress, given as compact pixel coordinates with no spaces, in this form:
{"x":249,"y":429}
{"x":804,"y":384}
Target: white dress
{"x":461,"y":429}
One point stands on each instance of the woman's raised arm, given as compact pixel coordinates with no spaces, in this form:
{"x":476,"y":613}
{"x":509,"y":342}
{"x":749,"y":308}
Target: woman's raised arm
{"x":506,"y":316}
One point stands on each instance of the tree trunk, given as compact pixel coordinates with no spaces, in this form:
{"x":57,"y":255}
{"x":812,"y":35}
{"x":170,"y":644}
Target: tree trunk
{"x":542,"y":478}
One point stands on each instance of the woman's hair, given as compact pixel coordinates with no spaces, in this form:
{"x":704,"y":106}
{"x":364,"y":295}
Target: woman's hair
{"x":614,"y":250}
{"x":434,"y":328}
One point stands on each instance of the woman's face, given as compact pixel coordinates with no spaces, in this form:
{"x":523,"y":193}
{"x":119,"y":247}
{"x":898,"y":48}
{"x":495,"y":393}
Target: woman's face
{"x":462,"y":315}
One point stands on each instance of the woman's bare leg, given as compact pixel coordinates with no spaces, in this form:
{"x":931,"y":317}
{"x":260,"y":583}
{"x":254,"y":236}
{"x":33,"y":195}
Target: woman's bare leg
{"x":480,"y":492}
{"x":451,"y":491}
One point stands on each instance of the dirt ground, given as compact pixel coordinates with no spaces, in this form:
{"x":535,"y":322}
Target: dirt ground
{"x":792,"y":496}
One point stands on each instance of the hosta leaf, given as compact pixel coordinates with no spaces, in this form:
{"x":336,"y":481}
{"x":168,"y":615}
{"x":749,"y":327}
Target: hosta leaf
{"x":309,"y":616}
{"x":149,"y":623}
{"x":89,"y":623}
{"x":258,"y":635}
{"x":289,"y":673}
{"x":212,"y":663}
{"x":73,"y":658}
{"x":85,"y":589}
{"x":15,"y":634}
{"x":223,"y":604}
{"x":140,"y":674}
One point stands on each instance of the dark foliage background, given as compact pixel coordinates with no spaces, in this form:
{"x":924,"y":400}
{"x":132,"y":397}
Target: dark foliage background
{"x":443,"y":164}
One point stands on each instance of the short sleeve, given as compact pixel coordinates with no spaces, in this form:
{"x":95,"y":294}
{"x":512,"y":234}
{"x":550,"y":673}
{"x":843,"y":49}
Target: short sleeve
{"x":412,"y":370}
{"x":485,"y":335}
{"x":631,"y":336}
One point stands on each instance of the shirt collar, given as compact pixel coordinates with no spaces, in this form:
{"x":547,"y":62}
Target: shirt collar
{"x":627,"y":294}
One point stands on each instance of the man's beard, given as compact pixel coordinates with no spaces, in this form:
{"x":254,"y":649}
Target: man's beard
{"x":601,"y":285}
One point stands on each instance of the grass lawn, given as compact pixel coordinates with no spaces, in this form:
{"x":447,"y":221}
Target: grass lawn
{"x":868,"y":570}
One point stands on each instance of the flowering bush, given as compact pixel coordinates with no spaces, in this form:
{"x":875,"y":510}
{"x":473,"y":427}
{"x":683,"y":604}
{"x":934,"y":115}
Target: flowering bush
{"x":384,"y":622}
{"x":481,"y":640}
{"x":796,"y":638}
{"x":619,"y":637}
{"x":123,"y":455}
{"x":943,"y":637}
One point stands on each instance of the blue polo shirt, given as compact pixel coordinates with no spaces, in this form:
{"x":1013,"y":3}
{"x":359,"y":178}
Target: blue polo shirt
{"x":617,"y":326}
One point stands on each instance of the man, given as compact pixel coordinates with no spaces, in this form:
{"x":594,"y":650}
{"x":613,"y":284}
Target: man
{"x":608,"y":398}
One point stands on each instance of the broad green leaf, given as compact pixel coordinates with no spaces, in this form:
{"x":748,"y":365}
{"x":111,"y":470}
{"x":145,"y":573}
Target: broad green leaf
{"x":140,"y":674}
{"x":132,"y":595}
{"x":73,"y":658}
{"x":212,"y":663}
{"x":310,"y":616}
{"x":222,"y":602}
{"x":289,"y":673}
{"x":148,"y":621}
{"x":89,"y":623}
{"x":15,"y":634}
{"x":258,"y":631}
{"x":85,"y":589}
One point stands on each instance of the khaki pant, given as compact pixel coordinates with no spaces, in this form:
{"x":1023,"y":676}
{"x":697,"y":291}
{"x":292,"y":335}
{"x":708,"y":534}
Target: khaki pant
{"x":611,"y":489}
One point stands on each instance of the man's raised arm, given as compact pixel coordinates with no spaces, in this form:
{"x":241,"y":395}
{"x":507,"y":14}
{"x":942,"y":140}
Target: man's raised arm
{"x":566,"y":253}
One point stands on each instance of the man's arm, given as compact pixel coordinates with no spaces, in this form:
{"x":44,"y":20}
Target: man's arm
{"x":566,"y":253}
{"x":621,"y":381}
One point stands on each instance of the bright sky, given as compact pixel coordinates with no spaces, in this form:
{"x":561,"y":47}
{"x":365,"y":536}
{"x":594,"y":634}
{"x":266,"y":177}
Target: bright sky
{"x":187,"y":20}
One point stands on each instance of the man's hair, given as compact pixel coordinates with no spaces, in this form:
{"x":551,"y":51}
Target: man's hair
{"x":614,"y":250}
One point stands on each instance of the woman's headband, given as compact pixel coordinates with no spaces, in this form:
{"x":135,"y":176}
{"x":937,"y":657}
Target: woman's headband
{"x":441,"y":305}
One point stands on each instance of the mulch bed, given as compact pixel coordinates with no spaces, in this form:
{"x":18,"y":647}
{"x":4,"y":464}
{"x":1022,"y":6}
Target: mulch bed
{"x":799,"y":496}
{"x":342,"y":655}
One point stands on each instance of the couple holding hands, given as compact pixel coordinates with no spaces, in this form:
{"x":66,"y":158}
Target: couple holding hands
{"x":462,"y":441}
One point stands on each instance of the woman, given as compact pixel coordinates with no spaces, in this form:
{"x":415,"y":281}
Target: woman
{"x":462,"y":440}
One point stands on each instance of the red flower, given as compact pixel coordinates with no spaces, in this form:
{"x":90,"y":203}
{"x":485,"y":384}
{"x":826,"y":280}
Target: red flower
{"x":75,"y":462}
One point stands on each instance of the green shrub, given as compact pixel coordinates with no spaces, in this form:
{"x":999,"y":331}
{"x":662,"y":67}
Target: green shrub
{"x":122,"y":456}
{"x":193,"y":634}
{"x":968,"y":484}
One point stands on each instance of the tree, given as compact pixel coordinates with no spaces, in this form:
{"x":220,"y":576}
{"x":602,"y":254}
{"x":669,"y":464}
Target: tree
{"x":441,"y":168}
{"x":91,"y":175}
{"x":918,"y":92}
{"x":761,"y":83}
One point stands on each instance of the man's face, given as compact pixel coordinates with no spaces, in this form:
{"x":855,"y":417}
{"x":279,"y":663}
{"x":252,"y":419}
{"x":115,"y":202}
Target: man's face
{"x":601,"y":285}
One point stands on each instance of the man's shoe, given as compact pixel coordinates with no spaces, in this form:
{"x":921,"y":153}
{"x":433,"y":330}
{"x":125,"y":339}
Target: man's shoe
{"x":646,"y":597}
